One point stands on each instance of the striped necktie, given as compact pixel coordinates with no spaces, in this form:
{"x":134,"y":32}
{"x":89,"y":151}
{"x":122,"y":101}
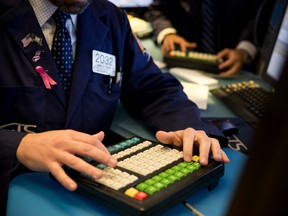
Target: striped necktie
{"x":62,"y":50}
{"x":208,"y":28}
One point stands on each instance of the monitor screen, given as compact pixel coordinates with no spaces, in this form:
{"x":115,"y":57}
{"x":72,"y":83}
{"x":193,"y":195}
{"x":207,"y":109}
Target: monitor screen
{"x":275,"y":47}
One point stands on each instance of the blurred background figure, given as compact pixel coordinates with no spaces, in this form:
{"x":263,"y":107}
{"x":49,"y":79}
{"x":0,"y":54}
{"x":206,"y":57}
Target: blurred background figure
{"x":224,"y":28}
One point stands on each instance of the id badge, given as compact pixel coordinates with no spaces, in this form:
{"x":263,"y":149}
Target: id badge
{"x":103,"y":63}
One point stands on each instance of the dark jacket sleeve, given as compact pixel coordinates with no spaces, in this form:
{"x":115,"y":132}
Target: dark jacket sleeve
{"x":154,"y":97}
{"x":9,"y":141}
{"x":157,"y":18}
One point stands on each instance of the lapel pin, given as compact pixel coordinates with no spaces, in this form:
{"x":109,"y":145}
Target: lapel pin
{"x":31,"y":38}
{"x":37,"y":56}
{"x":47,"y":80}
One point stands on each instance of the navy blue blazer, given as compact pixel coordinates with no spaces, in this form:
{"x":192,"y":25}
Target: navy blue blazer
{"x":155,"y":98}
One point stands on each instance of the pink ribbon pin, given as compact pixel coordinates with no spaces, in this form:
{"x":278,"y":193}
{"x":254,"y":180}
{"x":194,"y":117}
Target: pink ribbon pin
{"x":47,"y":80}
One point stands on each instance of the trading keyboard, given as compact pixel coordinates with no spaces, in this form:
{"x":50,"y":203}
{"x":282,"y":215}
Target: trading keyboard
{"x":193,"y":60}
{"x":149,"y":178}
{"x":247,"y":99}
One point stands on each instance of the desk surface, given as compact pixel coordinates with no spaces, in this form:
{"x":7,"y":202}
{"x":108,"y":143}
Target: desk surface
{"x":37,"y":194}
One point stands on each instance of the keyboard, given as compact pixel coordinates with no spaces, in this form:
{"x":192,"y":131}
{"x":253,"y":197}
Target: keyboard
{"x":193,"y":60}
{"x":149,"y":178}
{"x":247,"y":99}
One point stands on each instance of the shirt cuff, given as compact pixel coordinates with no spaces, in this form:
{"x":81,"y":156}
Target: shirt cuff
{"x":163,"y":33}
{"x":249,"y":48}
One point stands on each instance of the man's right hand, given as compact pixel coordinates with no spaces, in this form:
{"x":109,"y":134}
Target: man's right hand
{"x":49,"y":151}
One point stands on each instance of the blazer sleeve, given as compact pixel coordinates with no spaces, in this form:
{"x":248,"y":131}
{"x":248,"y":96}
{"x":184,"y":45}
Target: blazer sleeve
{"x":156,"y":16}
{"x":155,"y":98}
{"x":8,"y":143}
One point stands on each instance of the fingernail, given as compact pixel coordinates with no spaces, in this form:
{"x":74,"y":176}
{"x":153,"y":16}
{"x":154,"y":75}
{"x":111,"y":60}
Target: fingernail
{"x":203,"y":162}
{"x":72,"y":186}
{"x":187,"y":157}
{"x":112,"y":162}
{"x":98,"y":175}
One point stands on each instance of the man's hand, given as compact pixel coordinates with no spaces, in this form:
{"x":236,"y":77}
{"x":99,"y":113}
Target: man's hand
{"x":171,"y":39}
{"x":49,"y":151}
{"x":190,"y":137}
{"x":233,"y":61}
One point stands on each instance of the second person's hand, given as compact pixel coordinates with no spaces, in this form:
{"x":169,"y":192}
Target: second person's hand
{"x":232,"y":61}
{"x":171,"y":39}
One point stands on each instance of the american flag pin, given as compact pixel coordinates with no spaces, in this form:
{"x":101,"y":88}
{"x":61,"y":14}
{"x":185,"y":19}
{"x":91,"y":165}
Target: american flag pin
{"x":37,"y":56}
{"x":29,"y":38}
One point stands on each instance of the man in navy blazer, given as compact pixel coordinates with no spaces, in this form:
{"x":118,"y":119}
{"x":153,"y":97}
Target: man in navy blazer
{"x":42,"y":130}
{"x":181,"y":22}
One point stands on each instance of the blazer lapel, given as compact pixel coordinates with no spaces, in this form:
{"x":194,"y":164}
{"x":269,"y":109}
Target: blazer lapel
{"x":36,"y":50}
{"x":91,"y":32}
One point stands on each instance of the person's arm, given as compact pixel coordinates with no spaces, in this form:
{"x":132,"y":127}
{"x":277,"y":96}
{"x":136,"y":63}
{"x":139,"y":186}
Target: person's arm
{"x":233,"y":60}
{"x":158,"y":101}
{"x":165,"y":34}
{"x":249,"y":49}
{"x":9,"y":141}
{"x":160,"y":23}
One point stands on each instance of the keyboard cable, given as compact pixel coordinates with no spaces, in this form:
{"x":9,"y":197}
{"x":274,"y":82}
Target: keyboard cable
{"x":192,"y":209}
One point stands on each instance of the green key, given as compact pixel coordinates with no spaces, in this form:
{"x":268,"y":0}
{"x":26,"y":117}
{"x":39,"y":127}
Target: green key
{"x":170,"y":171}
{"x":176,"y":168}
{"x":135,"y":139}
{"x":185,"y":171}
{"x":191,"y":167}
{"x":112,"y":149}
{"x":124,"y":145}
{"x":129,"y":142}
{"x":101,"y":166}
{"x":156,"y":178}
{"x":117,"y":147}
{"x":172,"y":178}
{"x":166,"y":182}
{"x":149,"y":182}
{"x":163,"y":175}
{"x":142,"y":186}
{"x":88,"y":159}
{"x":151,"y":190}
{"x":197,"y":165}
{"x":159,"y":185}
{"x":179,"y":175}
{"x":183,"y":164}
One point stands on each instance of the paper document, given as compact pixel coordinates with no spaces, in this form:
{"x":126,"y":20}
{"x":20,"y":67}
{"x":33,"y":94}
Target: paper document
{"x":160,"y":64}
{"x":139,"y":26}
{"x":196,"y":93}
{"x":190,"y":75}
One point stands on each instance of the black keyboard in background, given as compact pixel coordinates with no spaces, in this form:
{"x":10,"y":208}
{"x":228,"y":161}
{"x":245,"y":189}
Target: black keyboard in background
{"x":247,"y":99}
{"x":149,"y":178}
{"x":193,"y":60}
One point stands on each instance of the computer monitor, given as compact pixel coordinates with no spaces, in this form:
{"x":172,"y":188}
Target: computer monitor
{"x":275,"y":46}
